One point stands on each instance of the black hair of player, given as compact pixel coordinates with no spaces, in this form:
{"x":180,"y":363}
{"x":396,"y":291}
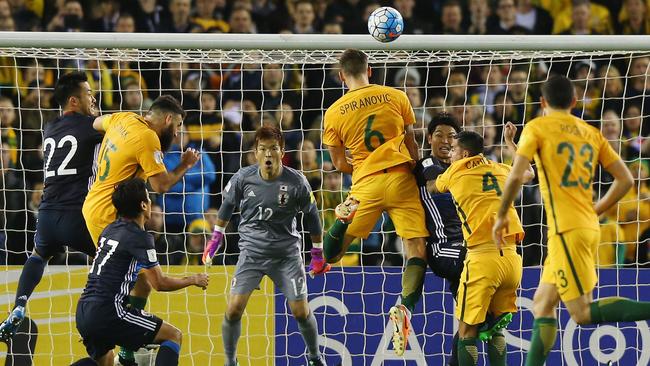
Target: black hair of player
{"x":128,"y":197}
{"x":167,"y":103}
{"x":353,"y":62}
{"x":558,"y":92}
{"x":269,"y":133}
{"x":471,"y":142}
{"x":68,"y":86}
{"x":443,"y":119}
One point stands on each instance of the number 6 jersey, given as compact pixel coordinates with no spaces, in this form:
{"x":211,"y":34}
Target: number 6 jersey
{"x":70,"y":145}
{"x":566,"y":150}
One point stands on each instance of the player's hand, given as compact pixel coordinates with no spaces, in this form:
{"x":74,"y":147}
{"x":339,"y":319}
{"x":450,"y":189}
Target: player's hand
{"x":509,"y":132}
{"x":201,"y":280}
{"x":190,"y":157}
{"x":500,"y":224}
{"x":212,"y":246}
{"x":318,"y":265}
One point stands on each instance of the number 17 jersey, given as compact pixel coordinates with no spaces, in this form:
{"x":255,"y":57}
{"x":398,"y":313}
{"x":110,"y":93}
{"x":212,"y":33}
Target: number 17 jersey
{"x":566,"y":150}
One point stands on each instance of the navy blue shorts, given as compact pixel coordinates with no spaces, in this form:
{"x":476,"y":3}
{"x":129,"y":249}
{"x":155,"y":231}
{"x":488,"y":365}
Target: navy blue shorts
{"x":104,"y":325}
{"x":447,"y":267}
{"x":56,"y":229}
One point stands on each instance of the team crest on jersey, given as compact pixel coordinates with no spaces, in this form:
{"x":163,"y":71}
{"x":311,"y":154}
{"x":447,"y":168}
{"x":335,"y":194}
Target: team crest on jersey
{"x":283,"y":196}
{"x":158,"y":156}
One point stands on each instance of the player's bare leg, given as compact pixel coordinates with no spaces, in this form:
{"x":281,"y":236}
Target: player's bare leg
{"x":231,"y":327}
{"x":545,"y":304}
{"x":412,"y":282}
{"x":170,"y":339}
{"x":137,"y":299}
{"x":308,"y":328}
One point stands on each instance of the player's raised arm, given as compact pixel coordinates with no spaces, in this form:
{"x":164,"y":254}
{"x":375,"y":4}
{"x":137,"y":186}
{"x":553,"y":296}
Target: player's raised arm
{"x":160,"y":282}
{"x":98,"y":123}
{"x":164,"y":181}
{"x":510,"y":130}
{"x":411,"y":144}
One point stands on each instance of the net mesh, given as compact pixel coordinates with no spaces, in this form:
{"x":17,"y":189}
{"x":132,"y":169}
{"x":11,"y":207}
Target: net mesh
{"x":227,"y":95}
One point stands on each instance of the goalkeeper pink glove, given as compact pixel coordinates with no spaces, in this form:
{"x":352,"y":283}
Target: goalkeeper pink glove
{"x":318,"y":265}
{"x":213,"y":245}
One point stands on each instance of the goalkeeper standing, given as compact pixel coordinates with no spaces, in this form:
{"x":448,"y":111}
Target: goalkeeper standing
{"x":375,"y":124}
{"x":269,"y":197}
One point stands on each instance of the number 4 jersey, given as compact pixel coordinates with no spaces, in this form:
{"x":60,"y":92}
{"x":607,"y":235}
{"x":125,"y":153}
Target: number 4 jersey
{"x":476,"y":185}
{"x":566,"y":150}
{"x":70,"y":145}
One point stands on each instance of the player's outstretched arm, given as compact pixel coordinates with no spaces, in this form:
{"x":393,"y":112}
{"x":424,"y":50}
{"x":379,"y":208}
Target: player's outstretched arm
{"x":337,"y":153}
{"x":622,"y":183}
{"x":164,"y":181}
{"x":411,"y":144}
{"x":213,"y":245}
{"x":98,"y":123}
{"x":510,"y":130}
{"x":160,"y":282}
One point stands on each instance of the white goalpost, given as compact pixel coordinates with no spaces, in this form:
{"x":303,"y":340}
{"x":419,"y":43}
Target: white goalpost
{"x":230,"y":84}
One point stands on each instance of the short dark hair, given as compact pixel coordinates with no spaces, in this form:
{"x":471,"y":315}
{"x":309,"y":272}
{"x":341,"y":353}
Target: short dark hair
{"x":470,"y":141}
{"x":68,"y":86}
{"x":443,"y":119}
{"x":558,"y":92}
{"x":128,"y":196}
{"x":167,"y":103}
{"x":353,"y":62}
{"x":269,"y":133}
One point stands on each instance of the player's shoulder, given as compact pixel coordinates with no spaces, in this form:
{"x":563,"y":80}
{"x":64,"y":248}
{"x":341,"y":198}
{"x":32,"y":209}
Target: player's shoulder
{"x":126,"y":231}
{"x":72,"y":123}
{"x":293,"y":174}
{"x":246,"y":172}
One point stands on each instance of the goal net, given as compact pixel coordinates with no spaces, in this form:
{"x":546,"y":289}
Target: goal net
{"x":228,"y":94}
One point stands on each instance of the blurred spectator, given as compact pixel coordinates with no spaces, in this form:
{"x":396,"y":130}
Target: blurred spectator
{"x":612,"y":86}
{"x":505,"y":19}
{"x":332,"y":28}
{"x":132,"y":98}
{"x":491,"y":84}
{"x":101,"y":82}
{"x":535,"y":19}
{"x":638,"y":75}
{"x":241,"y":21}
{"x":457,"y":86}
{"x":413,"y":24}
{"x":632,"y":125}
{"x":8,"y":133}
{"x":188,"y":198}
{"x":108,"y":11}
{"x":518,"y":89}
{"x":588,"y":94}
{"x":611,"y":129}
{"x":451,"y":18}
{"x":125,"y":23}
{"x":349,"y":14}
{"x":286,"y":118}
{"x":169,"y":247}
{"x":407,"y":77}
{"x":179,"y":17}
{"x":148,"y":14}
{"x":207,"y":17}
{"x":307,"y":162}
{"x":70,"y":18}
{"x":637,"y":22}
{"x":583,"y":17}
{"x":199,"y":232}
{"x":422,"y":117}
{"x":303,"y":17}
{"x":13,"y":215}
{"x":479,"y":13}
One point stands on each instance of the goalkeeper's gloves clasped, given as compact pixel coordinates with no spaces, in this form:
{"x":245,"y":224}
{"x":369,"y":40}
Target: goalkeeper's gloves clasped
{"x":213,"y":245}
{"x":318,"y":265}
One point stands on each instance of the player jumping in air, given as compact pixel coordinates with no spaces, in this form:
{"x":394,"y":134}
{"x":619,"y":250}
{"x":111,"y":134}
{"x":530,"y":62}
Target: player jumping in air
{"x":269,"y":197}
{"x":491,"y":273}
{"x":133,"y":147}
{"x":374,"y":123}
{"x":566,"y":151}
{"x":103,"y":317}
{"x":70,"y":145}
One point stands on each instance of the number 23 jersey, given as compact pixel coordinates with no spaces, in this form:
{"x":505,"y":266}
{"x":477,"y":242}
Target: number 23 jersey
{"x":566,"y":150}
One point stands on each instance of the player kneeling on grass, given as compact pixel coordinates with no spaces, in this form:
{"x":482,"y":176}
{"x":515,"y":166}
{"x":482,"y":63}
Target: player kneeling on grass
{"x":269,"y":197}
{"x":491,"y":273}
{"x":103,"y":319}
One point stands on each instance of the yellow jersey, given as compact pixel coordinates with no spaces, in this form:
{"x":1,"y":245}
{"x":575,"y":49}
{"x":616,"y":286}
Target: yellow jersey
{"x":129,"y":149}
{"x":370,"y":122}
{"x":566,"y":150}
{"x":476,"y":185}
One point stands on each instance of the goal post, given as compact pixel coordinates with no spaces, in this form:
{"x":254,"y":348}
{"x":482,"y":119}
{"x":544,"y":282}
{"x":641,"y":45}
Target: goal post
{"x":232,"y":83}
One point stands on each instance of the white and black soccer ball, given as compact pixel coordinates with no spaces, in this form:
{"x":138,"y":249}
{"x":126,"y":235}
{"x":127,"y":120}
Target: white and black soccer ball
{"x":385,"y":24}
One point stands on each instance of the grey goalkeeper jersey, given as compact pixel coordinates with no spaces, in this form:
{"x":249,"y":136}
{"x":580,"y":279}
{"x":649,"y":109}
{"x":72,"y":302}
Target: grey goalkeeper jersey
{"x":269,"y":211}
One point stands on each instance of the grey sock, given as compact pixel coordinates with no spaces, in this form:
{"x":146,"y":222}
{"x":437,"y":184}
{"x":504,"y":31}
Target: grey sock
{"x":231,"y":330}
{"x":309,"y":330}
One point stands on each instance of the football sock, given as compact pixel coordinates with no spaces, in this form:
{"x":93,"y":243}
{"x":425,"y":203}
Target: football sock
{"x":29,"y":279}
{"x":168,"y":354}
{"x":453,"y":360}
{"x":496,"y":350}
{"x":467,"y":352}
{"x":138,"y":303}
{"x":619,"y":309}
{"x":309,"y":330}
{"x":412,"y":281}
{"x":544,"y":333}
{"x":230,"y":330}
{"x":333,"y":240}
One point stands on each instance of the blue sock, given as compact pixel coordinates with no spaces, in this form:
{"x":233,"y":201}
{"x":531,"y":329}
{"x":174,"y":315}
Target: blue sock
{"x":168,"y":354}
{"x":29,"y":278}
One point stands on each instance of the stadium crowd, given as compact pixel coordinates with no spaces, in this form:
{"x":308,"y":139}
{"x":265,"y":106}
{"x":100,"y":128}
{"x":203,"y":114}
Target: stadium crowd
{"x":227,"y":102}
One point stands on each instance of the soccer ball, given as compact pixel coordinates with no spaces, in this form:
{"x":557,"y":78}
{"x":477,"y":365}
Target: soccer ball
{"x":385,"y":24}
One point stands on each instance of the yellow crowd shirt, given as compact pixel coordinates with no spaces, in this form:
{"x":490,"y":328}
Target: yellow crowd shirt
{"x":566,"y":150}
{"x":476,"y":184}
{"x":129,"y":149}
{"x":370,"y":122}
